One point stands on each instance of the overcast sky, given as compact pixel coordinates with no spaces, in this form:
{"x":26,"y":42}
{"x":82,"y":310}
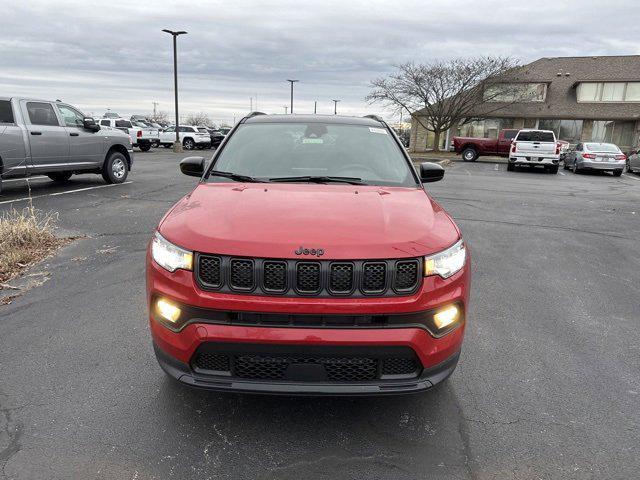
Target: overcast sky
{"x":114,"y":55}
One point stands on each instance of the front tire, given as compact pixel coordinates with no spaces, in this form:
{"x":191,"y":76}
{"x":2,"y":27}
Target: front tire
{"x":469,"y":154}
{"x":188,"y":144}
{"x":60,"y":177}
{"x":617,"y":173}
{"x":115,"y":169}
{"x":145,"y":147}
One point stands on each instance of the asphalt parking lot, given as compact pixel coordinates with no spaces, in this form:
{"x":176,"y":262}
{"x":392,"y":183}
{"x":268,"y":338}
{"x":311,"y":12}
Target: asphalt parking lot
{"x":547,"y":385}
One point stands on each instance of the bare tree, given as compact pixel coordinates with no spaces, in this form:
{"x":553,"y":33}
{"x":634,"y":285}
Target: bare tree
{"x":159,"y":117}
{"x":198,"y":119}
{"x":446,"y":93}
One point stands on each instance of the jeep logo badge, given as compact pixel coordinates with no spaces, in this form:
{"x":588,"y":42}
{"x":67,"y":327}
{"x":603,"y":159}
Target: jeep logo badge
{"x":316,"y":252}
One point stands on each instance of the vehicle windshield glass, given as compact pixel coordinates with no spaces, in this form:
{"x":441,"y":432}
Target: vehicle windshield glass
{"x":277,"y":150}
{"x":123,"y":124}
{"x":535,"y":136}
{"x":203,"y":130}
{"x":602,"y":147}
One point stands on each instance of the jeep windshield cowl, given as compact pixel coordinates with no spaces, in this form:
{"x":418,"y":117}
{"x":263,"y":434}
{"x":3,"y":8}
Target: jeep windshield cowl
{"x":314,"y":152}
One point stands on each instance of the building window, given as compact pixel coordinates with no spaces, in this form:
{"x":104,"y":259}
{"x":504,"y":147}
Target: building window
{"x":609,"y":131}
{"x":515,"y":92}
{"x":609,"y":92}
{"x":488,"y":128}
{"x":567,"y":130}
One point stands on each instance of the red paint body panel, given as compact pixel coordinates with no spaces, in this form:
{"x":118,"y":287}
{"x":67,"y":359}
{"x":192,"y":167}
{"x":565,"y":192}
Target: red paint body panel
{"x":485,"y":146}
{"x":273,"y":220}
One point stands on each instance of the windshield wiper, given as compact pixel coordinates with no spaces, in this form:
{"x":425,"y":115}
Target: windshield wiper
{"x":320,"y":179}
{"x":235,"y":176}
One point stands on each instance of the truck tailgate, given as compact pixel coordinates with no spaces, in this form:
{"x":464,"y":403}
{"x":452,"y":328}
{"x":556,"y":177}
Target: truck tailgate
{"x":536,"y":148}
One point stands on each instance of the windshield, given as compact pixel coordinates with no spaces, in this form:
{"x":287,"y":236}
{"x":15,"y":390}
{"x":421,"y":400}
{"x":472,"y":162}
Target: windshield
{"x":203,"y":130}
{"x":602,"y":147}
{"x":278,"y":150}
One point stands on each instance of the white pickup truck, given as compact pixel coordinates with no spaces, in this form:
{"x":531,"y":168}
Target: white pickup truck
{"x":534,"y":148}
{"x":191,"y":137}
{"x":141,"y":135}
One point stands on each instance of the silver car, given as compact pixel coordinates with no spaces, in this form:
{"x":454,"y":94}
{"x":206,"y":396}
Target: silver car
{"x":595,"y":156}
{"x":633,"y":162}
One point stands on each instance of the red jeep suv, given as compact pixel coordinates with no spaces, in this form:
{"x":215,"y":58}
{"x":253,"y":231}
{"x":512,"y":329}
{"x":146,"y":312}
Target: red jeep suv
{"x":309,"y":259}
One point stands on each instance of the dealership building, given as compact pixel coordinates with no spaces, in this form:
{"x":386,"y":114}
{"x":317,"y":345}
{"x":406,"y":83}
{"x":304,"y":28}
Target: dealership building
{"x":582,"y":99}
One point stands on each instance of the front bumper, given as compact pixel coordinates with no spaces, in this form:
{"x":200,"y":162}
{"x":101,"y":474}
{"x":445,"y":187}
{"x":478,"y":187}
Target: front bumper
{"x":183,"y":373}
{"x":176,"y":350}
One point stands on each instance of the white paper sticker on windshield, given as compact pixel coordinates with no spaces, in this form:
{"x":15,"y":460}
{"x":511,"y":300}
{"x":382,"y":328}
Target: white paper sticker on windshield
{"x":378,"y":130}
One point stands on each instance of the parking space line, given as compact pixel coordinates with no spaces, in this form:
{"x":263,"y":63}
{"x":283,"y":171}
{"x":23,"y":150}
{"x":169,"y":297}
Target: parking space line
{"x":629,"y":176}
{"x":24,"y":199}
{"x":562,"y":173}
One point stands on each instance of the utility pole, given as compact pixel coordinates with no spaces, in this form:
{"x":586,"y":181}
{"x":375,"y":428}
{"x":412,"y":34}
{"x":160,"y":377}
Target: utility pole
{"x":292,"y":82}
{"x":155,"y":104}
{"x":177,"y":146}
{"x":335,"y":106}
{"x":250,"y":104}
{"x":285,"y":109}
{"x":315,"y":107}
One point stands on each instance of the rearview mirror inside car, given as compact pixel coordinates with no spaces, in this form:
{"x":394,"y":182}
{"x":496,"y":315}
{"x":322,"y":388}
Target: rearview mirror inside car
{"x":192,"y":166}
{"x":90,"y":124}
{"x":431,"y":172}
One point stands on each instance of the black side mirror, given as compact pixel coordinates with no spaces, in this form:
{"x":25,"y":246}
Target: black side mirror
{"x":90,"y":124}
{"x":192,"y":166}
{"x":431,"y":172}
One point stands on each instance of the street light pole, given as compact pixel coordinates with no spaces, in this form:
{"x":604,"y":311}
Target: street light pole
{"x":335,"y":106}
{"x":315,"y":107}
{"x":285,"y":109}
{"x":292,"y":82}
{"x":177,"y":146}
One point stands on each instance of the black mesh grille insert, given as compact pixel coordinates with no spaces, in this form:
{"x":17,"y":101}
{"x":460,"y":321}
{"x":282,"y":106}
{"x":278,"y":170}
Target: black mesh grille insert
{"x":374,"y":277}
{"x":308,"y":277}
{"x":275,"y":276}
{"x":210,"y":271}
{"x":399,"y":366}
{"x":211,"y":361}
{"x":341,"y":278}
{"x":241,"y":274}
{"x":336,"y":369}
{"x":406,"y":275}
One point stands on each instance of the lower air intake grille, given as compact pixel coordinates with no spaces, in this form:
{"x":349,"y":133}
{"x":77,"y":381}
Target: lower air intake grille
{"x":399,"y":366}
{"x":211,"y":361}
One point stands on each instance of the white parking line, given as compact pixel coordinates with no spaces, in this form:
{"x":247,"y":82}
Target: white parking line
{"x":24,"y":199}
{"x":562,"y":173}
{"x":629,"y":176}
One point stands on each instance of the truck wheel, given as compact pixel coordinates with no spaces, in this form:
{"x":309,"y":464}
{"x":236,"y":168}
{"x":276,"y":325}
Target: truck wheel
{"x":60,"y":177}
{"x":553,"y":169}
{"x":617,"y":173}
{"x":511,"y":167}
{"x":189,"y":144}
{"x":145,"y":147}
{"x":469,"y":155}
{"x":115,"y":168}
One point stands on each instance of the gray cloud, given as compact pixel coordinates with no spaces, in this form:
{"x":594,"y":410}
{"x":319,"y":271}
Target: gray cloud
{"x":113,"y":55}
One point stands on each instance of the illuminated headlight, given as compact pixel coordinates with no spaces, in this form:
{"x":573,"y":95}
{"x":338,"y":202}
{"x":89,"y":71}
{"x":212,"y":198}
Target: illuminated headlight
{"x":447,"y":262}
{"x":169,"y":256}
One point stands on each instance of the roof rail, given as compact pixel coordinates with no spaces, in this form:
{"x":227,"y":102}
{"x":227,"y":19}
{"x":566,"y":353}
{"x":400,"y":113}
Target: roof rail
{"x":255,"y":114}
{"x":377,"y":118}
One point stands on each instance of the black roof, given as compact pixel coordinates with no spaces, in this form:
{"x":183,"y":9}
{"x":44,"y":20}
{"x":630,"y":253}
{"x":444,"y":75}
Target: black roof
{"x":312,"y":118}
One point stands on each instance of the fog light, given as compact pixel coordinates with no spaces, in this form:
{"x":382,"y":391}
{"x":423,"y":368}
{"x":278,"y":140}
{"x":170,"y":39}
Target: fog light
{"x":446,"y":317}
{"x":168,"y":310}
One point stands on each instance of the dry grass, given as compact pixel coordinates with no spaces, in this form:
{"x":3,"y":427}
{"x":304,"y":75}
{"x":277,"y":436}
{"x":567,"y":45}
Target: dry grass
{"x":26,"y":237}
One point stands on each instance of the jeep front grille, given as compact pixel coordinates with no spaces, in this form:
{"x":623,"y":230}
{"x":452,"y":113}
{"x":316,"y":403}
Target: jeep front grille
{"x":355,"y":278}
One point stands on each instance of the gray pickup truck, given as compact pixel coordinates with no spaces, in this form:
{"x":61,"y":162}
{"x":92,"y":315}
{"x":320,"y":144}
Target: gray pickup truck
{"x":39,"y":137}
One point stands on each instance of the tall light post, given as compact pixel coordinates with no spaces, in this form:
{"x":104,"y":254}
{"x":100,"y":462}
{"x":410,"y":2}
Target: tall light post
{"x":177,"y":146}
{"x":315,"y":107}
{"x":292,"y":82}
{"x":285,"y":109}
{"x":335,"y":106}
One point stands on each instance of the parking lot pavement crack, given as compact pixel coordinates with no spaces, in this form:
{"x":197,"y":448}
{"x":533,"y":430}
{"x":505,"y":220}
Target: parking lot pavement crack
{"x":13,"y":431}
{"x":550,"y":227}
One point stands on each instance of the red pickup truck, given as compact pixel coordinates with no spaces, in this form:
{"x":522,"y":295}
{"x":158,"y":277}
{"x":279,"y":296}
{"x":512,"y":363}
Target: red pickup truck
{"x":471,"y":148}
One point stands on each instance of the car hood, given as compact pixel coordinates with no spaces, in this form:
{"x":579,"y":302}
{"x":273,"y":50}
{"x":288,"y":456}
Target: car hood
{"x":274,"y":220}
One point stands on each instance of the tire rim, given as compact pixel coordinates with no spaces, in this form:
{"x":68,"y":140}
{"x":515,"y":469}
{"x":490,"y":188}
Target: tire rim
{"x":118,"y":168}
{"x":188,"y":144}
{"x":468,"y":156}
